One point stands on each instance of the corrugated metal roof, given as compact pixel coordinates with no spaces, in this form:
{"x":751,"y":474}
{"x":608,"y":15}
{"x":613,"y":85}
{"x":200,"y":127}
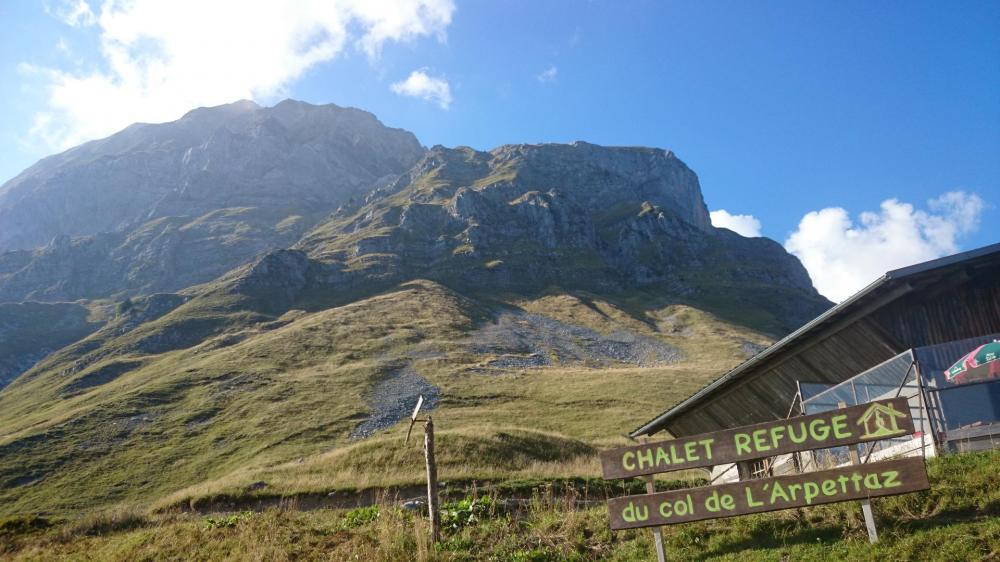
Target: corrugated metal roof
{"x":888,"y":288}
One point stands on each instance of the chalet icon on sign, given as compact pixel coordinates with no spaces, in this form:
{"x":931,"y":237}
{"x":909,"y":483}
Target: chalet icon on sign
{"x":880,"y":421}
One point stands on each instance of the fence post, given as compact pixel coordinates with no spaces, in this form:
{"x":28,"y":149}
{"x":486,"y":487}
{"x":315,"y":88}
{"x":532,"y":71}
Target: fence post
{"x":432,"y":483}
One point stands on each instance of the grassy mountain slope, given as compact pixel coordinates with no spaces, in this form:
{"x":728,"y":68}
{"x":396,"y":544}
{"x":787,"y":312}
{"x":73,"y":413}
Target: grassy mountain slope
{"x":204,"y":388}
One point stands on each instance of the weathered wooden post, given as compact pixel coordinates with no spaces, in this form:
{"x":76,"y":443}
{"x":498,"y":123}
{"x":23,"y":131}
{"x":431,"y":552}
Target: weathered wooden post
{"x":866,"y":504}
{"x":661,"y":555}
{"x":432,"y":483}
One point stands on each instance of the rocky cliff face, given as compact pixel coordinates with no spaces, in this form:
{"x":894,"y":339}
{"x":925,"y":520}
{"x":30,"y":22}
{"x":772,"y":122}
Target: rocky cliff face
{"x":161,"y":207}
{"x":579,"y":217}
{"x":158,"y":208}
{"x":161,"y":255}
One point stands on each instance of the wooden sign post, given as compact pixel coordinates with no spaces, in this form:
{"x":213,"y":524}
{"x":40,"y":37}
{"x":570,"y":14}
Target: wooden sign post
{"x":848,"y":426}
{"x":866,"y":504}
{"x":432,"y":480}
{"x":432,"y":483}
{"x":661,"y":555}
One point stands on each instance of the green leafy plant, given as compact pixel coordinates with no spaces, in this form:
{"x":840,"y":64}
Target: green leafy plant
{"x":360,"y":516}
{"x":227,"y":521}
{"x":462,"y":513}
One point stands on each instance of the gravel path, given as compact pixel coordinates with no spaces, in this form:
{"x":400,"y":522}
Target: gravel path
{"x":393,"y":399}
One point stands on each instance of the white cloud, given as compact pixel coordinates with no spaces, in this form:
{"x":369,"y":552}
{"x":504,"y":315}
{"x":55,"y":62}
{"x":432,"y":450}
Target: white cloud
{"x":843,"y":256}
{"x":161,"y":59}
{"x":549,"y":74}
{"x":421,"y":85}
{"x":744,"y":225}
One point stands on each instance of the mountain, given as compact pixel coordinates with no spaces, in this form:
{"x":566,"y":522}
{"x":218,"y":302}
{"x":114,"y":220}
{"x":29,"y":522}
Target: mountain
{"x":260,"y":295}
{"x":161,"y":207}
{"x":525,"y":218}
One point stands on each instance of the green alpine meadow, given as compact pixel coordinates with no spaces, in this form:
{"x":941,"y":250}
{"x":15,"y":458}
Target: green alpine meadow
{"x":441,"y":280}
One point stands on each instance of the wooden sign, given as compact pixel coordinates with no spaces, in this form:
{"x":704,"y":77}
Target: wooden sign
{"x":868,"y":422}
{"x":769,"y":494}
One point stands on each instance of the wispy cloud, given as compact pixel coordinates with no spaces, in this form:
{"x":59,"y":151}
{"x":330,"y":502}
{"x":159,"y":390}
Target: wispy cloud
{"x":549,"y":74}
{"x":843,"y":256}
{"x":76,"y":13}
{"x":421,"y":85}
{"x":161,"y":59}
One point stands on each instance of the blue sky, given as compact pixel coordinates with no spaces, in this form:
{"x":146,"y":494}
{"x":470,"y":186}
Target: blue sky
{"x":802,"y":115}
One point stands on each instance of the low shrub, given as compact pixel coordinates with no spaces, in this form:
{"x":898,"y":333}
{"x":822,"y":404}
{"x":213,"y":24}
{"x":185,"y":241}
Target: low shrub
{"x":360,"y":516}
{"x":22,"y":524}
{"x":227,"y":521}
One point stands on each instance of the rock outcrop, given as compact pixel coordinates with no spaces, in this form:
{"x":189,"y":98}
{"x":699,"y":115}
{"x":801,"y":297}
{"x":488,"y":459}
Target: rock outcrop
{"x":526,"y":218}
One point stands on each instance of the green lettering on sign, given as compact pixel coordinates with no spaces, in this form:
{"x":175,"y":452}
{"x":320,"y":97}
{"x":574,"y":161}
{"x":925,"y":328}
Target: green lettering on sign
{"x":742,"y":444}
{"x":769,"y":494}
{"x":847,"y":426}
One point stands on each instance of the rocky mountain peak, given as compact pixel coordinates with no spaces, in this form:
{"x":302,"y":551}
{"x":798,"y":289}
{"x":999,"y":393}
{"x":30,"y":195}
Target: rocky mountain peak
{"x":158,"y":208}
{"x":301,"y":158}
{"x":220,"y":112}
{"x":601,"y":177}
{"x":578,"y":216}
{"x":593,"y":178}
